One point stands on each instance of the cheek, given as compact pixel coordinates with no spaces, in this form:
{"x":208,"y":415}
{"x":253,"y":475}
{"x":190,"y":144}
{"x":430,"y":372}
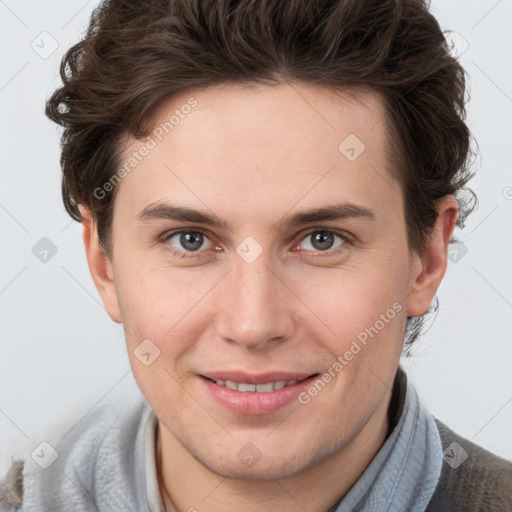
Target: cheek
{"x":163,"y":305}
{"x":364,"y":310}
{"x":354,"y":298}
{"x":159,"y":331}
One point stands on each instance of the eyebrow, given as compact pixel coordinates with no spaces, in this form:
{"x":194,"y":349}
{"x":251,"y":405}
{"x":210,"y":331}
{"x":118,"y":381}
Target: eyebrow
{"x":346,"y":210}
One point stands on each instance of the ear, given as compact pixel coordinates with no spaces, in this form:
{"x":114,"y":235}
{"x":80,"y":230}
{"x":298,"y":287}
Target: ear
{"x":429,"y":268}
{"x":100,"y":265}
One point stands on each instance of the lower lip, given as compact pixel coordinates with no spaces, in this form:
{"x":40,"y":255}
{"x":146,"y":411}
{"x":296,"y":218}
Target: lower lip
{"x":255,"y":403}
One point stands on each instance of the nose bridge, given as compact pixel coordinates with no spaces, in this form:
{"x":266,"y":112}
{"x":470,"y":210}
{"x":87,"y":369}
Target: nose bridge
{"x":253,"y":312}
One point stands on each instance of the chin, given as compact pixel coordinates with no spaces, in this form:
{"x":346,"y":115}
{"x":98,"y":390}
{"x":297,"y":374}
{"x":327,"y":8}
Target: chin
{"x":263,"y":468}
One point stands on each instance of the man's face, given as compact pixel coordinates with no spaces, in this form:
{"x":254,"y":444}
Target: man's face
{"x":262,"y":300}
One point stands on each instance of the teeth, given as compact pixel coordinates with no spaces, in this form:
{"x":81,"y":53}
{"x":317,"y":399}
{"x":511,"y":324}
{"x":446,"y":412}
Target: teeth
{"x":258,"y":388}
{"x":269,"y":386}
{"x":246,"y":387}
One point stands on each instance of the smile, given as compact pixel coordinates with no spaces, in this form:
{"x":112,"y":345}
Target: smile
{"x":266,"y":394}
{"x":266,"y":387}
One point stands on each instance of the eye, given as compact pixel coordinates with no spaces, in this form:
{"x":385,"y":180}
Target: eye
{"x":324,"y":240}
{"x":186,"y":241}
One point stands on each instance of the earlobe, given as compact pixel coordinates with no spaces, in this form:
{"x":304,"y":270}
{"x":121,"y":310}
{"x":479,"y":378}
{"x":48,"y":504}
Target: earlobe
{"x":100,"y":265}
{"x":429,"y":268}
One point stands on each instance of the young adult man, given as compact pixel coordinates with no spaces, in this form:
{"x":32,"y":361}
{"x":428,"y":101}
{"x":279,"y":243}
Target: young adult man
{"x":267,"y":192}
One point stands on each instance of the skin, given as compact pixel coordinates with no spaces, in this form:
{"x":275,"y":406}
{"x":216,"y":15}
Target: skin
{"x":253,"y":156}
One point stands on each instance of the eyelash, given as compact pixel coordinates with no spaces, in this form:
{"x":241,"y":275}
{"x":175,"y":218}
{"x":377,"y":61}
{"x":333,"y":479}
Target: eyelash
{"x":347,"y":239}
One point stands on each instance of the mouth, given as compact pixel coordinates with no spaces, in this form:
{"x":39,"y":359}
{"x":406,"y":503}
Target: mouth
{"x":263,"y":387}
{"x":246,"y":394}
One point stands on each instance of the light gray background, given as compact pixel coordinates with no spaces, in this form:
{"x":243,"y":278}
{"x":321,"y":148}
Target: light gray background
{"x":60,"y":354}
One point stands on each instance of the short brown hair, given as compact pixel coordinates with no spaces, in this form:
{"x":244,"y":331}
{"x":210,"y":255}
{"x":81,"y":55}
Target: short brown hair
{"x":138,"y":53}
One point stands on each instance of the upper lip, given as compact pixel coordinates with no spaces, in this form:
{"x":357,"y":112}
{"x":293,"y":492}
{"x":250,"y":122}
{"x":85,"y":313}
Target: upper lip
{"x":251,"y":378}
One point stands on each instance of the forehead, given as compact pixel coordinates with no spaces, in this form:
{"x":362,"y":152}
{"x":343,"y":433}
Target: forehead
{"x":245,"y":145}
{"x":234,"y":112}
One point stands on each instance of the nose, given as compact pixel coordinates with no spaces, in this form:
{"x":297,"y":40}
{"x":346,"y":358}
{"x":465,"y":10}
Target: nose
{"x":254,"y":305}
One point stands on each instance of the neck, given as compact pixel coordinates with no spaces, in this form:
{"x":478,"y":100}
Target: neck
{"x":187,"y":485}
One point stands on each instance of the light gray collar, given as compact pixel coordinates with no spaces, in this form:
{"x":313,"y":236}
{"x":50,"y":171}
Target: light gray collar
{"x":404,"y":472}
